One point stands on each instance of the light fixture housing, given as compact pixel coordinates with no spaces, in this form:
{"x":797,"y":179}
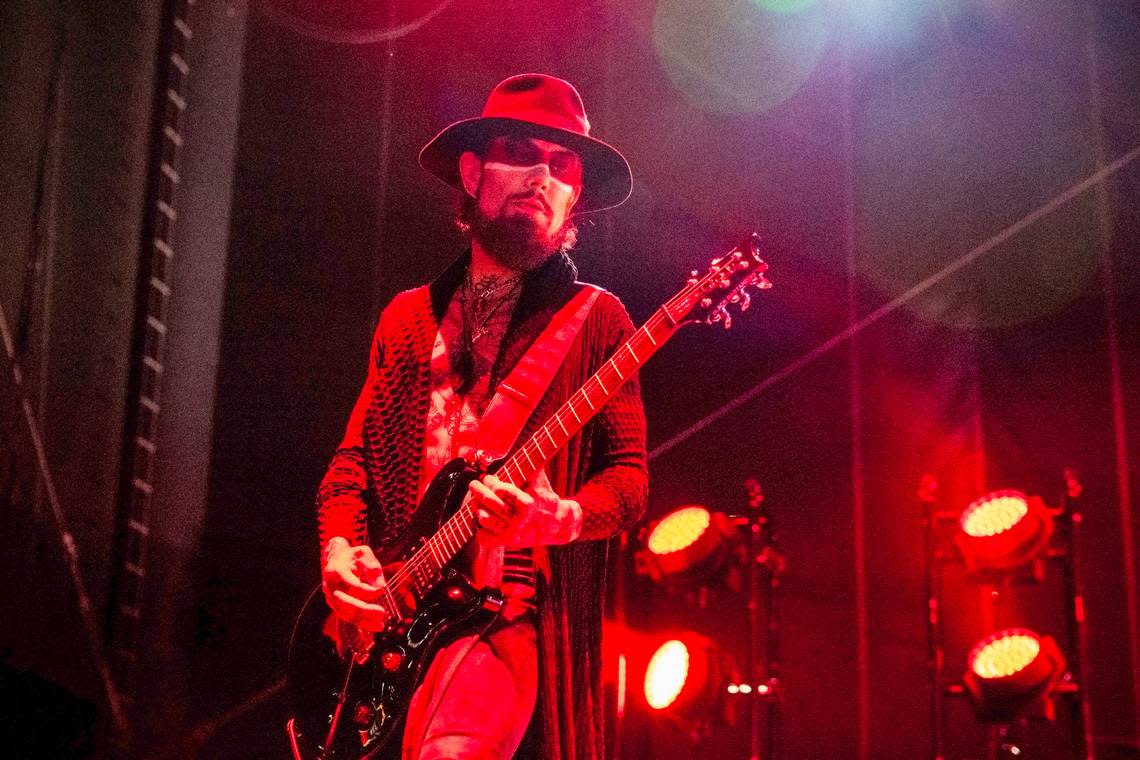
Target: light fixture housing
{"x":685,"y":676}
{"x":1011,"y":673}
{"x":1002,"y":532}
{"x":688,"y":544}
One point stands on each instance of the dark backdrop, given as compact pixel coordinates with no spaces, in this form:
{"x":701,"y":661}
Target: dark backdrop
{"x":940,"y":307}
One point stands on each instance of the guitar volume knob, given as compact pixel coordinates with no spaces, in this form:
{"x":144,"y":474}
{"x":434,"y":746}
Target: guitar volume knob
{"x":391,"y":660}
{"x":362,"y":714}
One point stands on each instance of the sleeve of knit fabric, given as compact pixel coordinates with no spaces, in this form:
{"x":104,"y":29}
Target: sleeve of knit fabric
{"x":342,"y":508}
{"x":614,"y":496}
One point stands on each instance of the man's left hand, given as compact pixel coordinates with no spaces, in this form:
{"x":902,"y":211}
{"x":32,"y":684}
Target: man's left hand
{"x":511,"y":517}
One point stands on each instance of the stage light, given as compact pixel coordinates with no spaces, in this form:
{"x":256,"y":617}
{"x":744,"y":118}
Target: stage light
{"x":1002,"y":532}
{"x":666,"y":675}
{"x":675,"y":673}
{"x":689,"y":543}
{"x":1011,"y":673}
{"x":684,"y":676}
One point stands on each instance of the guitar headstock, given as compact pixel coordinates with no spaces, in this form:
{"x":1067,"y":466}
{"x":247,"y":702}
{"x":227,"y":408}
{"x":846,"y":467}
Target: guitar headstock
{"x":707,"y":298}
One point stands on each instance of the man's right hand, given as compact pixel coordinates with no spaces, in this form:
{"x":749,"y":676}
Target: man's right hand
{"x":353,"y":582}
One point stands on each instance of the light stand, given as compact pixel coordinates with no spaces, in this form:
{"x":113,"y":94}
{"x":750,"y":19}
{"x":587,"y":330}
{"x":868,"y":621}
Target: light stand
{"x":1075,"y":613}
{"x":761,"y":558}
{"x":1072,"y":682}
{"x":935,"y":652}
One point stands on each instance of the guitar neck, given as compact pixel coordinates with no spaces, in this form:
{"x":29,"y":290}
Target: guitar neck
{"x":588,"y":400}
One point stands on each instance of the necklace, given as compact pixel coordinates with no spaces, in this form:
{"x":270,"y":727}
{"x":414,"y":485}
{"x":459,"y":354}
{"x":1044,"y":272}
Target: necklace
{"x":489,"y":285}
{"x":479,"y":309}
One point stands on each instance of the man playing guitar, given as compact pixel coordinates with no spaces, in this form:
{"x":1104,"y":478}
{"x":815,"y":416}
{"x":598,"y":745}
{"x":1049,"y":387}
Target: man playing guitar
{"x":439,"y":354}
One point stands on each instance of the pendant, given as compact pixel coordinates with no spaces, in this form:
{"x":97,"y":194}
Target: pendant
{"x":454,"y":415}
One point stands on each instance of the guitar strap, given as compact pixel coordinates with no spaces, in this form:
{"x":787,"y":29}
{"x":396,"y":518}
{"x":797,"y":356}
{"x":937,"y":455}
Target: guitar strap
{"x":516,"y":399}
{"x":517,"y":396}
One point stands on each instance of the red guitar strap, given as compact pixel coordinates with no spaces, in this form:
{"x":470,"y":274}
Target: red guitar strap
{"x":518,"y":395}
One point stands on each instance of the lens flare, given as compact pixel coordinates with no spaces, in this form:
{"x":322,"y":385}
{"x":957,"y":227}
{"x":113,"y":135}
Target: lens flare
{"x":735,"y":57}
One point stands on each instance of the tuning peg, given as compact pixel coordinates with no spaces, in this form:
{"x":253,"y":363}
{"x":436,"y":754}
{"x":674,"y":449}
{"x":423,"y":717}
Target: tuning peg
{"x":727,"y":318}
{"x":745,"y":300}
{"x":762,"y":282}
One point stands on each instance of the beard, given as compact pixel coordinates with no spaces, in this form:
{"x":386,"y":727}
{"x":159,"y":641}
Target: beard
{"x":516,"y":241}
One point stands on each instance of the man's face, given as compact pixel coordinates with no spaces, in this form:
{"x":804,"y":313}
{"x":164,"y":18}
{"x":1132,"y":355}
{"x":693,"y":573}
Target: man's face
{"x":523,"y":190}
{"x":529,"y":178}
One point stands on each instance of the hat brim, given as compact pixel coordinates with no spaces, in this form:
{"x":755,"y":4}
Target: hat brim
{"x":606,"y":178}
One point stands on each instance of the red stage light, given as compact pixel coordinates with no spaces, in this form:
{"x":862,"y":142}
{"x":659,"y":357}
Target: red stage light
{"x":678,"y":530}
{"x":666,"y":675}
{"x":1012,"y":671}
{"x":684,"y":676}
{"x":1005,"y":654}
{"x":676,"y":673}
{"x":688,"y":543}
{"x":1003,"y":531}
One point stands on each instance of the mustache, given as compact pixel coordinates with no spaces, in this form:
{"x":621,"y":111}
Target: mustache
{"x":533,"y":195}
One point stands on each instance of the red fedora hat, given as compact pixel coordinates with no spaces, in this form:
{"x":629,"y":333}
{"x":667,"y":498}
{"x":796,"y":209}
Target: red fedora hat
{"x":541,"y":106}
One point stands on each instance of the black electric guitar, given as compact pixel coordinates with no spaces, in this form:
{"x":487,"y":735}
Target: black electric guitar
{"x":350,"y":689}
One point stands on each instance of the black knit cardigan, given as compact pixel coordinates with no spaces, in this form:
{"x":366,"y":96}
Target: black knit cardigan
{"x":369,"y":491}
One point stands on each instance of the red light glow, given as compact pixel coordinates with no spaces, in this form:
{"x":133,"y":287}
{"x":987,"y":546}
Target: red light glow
{"x":1003,"y":532}
{"x":1004,"y":653}
{"x":1012,"y":673}
{"x":679,"y":530}
{"x":666,"y":675}
{"x":994,"y":513}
